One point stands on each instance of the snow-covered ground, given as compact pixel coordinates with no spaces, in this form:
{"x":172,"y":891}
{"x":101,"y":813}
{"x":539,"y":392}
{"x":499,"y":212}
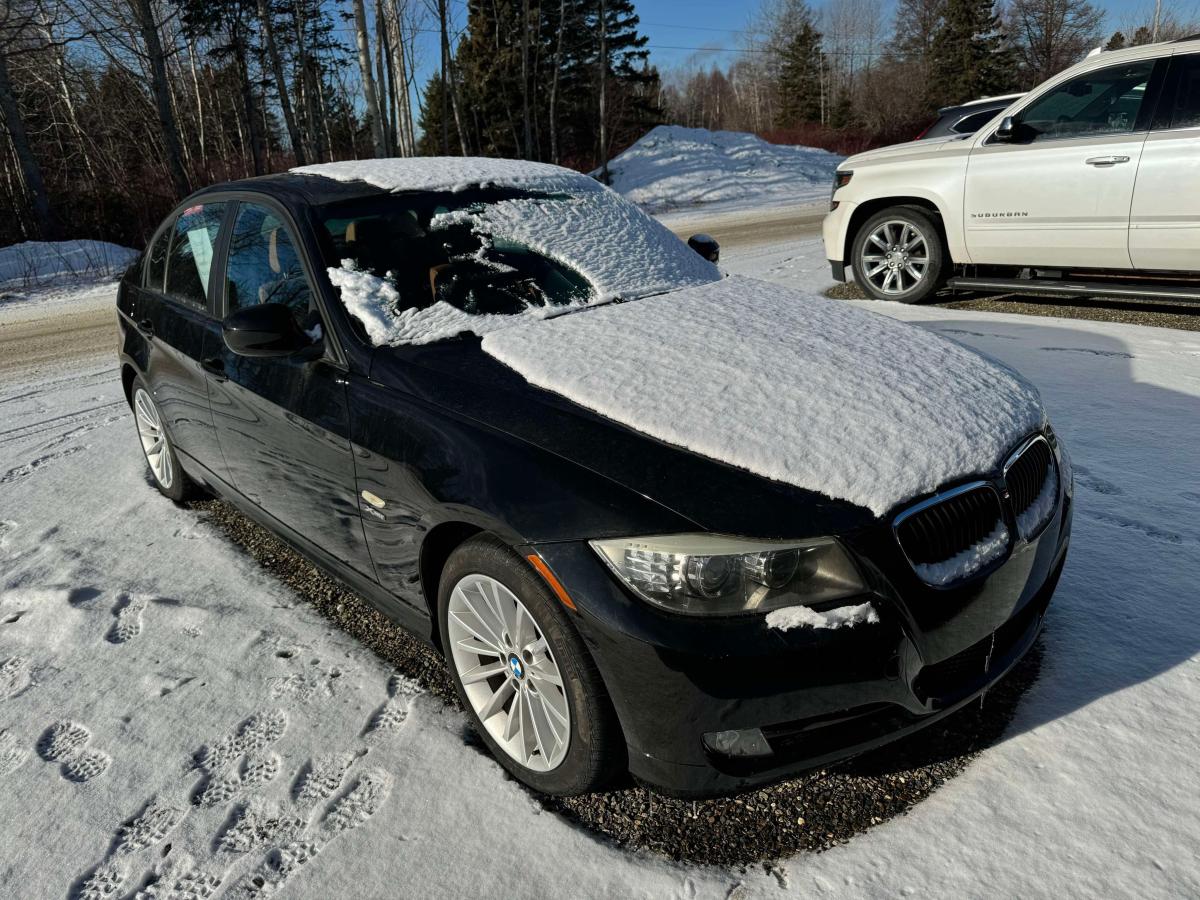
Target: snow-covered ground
{"x":151,"y":637}
{"x":673,"y":167}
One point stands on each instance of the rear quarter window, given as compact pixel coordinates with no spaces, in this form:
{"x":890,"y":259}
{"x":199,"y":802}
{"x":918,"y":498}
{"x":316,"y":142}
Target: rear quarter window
{"x":193,"y":244}
{"x":156,"y":260}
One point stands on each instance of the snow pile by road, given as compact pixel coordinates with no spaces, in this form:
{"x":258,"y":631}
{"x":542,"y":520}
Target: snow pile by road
{"x":36,"y":263}
{"x":799,"y":389}
{"x":673,"y":167}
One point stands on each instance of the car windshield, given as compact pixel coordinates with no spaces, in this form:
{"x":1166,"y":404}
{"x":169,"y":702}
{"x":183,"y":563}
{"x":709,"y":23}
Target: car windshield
{"x":488,"y":252}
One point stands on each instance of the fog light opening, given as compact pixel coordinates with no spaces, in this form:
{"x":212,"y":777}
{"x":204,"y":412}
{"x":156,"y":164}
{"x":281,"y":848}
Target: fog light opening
{"x":747,"y":742}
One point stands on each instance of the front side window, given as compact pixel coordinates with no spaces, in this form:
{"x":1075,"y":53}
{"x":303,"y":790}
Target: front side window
{"x":1107,"y":101}
{"x":973,"y":122}
{"x":264,"y":264}
{"x":193,"y":241}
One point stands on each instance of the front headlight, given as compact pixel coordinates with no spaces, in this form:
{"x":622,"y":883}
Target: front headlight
{"x":712,"y":575}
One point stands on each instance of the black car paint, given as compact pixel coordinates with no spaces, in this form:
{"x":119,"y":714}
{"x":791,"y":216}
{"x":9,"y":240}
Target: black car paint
{"x":454,"y":442}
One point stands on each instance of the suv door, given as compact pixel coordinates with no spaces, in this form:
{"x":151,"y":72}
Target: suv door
{"x":1059,"y":194}
{"x":172,"y":311}
{"x":1164,"y":221}
{"x":283,"y":422}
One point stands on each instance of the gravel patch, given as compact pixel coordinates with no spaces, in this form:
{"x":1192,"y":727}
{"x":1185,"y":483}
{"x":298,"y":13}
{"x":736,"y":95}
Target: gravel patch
{"x":1096,"y":309}
{"x":813,"y":812}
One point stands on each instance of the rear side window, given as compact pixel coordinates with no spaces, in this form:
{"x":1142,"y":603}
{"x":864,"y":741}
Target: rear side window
{"x":193,"y":242}
{"x":156,"y":260}
{"x":264,"y":264}
{"x":1185,"y":106}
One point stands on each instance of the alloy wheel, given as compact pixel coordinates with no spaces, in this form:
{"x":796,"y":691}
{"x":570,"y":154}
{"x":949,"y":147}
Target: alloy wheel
{"x":508,"y":672}
{"x":895,"y":257}
{"x":154,"y":438}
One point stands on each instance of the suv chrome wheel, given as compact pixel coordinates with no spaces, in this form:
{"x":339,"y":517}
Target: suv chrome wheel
{"x":509,"y":675}
{"x":154,"y":439}
{"x":895,"y":257}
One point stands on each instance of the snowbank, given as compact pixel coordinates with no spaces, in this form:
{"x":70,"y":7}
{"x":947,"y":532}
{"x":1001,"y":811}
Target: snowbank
{"x":672,"y":166}
{"x":800,"y":389}
{"x":35,"y":263}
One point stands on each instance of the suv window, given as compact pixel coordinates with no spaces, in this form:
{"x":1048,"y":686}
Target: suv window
{"x":1184,"y":110}
{"x":156,"y":260}
{"x":972,"y":123}
{"x":1106,"y":101}
{"x":264,"y":265}
{"x":194,"y":238}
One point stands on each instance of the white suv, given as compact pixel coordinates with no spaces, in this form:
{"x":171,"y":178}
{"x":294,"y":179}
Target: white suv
{"x":1088,"y":184}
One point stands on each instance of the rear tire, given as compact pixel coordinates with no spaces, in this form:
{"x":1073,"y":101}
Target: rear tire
{"x":484,"y":574}
{"x":899,"y":254}
{"x":168,"y":476}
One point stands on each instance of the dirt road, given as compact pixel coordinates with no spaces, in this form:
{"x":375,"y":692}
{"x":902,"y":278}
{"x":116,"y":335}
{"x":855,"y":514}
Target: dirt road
{"x":751,"y":228}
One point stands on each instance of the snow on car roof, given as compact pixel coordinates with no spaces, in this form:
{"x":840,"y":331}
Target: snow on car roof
{"x":453,"y":173}
{"x":793,"y":387}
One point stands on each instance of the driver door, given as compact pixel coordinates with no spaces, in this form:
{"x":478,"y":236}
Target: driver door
{"x":283,"y":422}
{"x":1059,"y":195}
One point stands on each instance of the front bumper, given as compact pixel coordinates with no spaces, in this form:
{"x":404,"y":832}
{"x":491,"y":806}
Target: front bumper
{"x":834,"y":229}
{"x":816,"y":695}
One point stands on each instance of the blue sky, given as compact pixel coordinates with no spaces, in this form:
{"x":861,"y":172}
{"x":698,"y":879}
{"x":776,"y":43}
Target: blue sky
{"x":708,"y":31}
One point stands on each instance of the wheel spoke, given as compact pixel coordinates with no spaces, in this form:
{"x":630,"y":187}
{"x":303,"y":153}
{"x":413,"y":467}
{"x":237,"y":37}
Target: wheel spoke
{"x":548,"y":674}
{"x":875,"y":271}
{"x":879,"y":242}
{"x":483,"y":672}
{"x":499,"y":698}
{"x":887,"y":279}
{"x":479,"y":648}
{"x":512,"y":726}
{"x":529,"y":741}
{"x":480,"y":631}
{"x":542,"y":730}
{"x":913,"y":273}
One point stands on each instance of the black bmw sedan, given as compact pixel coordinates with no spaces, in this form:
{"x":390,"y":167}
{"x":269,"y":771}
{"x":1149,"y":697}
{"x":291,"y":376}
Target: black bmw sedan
{"x":703,"y":529}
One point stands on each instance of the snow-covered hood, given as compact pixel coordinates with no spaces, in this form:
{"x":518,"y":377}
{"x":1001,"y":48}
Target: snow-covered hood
{"x":797,"y":388}
{"x":909,"y":150}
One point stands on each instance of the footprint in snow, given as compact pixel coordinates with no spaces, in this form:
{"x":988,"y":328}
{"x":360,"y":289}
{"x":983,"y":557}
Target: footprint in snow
{"x":66,"y":742}
{"x":14,"y":674}
{"x":12,"y":754}
{"x":128,"y":624}
{"x":261,"y":842}
{"x":393,"y":713}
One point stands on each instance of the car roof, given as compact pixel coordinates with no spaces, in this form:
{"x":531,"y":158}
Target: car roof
{"x":292,"y":189}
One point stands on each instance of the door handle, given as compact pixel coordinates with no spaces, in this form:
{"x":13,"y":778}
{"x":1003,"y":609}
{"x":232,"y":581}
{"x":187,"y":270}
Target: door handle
{"x":146,"y":327}
{"x":1105,"y":161}
{"x":215,"y":367}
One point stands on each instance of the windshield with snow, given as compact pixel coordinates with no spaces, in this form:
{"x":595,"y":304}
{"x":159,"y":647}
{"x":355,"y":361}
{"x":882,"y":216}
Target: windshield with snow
{"x":488,"y":252}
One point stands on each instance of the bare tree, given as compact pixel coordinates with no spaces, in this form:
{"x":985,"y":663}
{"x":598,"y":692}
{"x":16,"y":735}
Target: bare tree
{"x":152,"y":49}
{"x":13,"y":26}
{"x":368,"y":78}
{"x":1052,"y":34}
{"x":281,"y":86}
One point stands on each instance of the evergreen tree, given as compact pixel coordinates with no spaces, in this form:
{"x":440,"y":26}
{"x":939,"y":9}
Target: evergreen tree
{"x":802,"y":78}
{"x":1116,"y":42}
{"x":969,"y":56}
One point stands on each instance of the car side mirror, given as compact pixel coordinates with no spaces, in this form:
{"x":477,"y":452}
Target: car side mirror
{"x":1006,"y":133}
{"x":706,"y":246}
{"x":268,"y":329}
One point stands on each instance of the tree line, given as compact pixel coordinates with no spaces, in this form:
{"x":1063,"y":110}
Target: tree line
{"x":843,"y":77}
{"x":111,"y":111}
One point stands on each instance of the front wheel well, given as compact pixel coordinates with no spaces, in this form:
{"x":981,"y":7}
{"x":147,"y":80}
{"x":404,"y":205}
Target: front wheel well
{"x":864,"y":211}
{"x":442,"y":540}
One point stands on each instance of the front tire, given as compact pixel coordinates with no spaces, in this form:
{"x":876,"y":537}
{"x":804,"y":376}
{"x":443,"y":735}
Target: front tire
{"x":523,"y":674}
{"x":898,"y":254}
{"x":168,"y":476}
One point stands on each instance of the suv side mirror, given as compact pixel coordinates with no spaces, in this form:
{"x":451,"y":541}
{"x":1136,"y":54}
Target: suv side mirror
{"x":706,"y":246}
{"x":264,"y":330}
{"x":1006,"y":133}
